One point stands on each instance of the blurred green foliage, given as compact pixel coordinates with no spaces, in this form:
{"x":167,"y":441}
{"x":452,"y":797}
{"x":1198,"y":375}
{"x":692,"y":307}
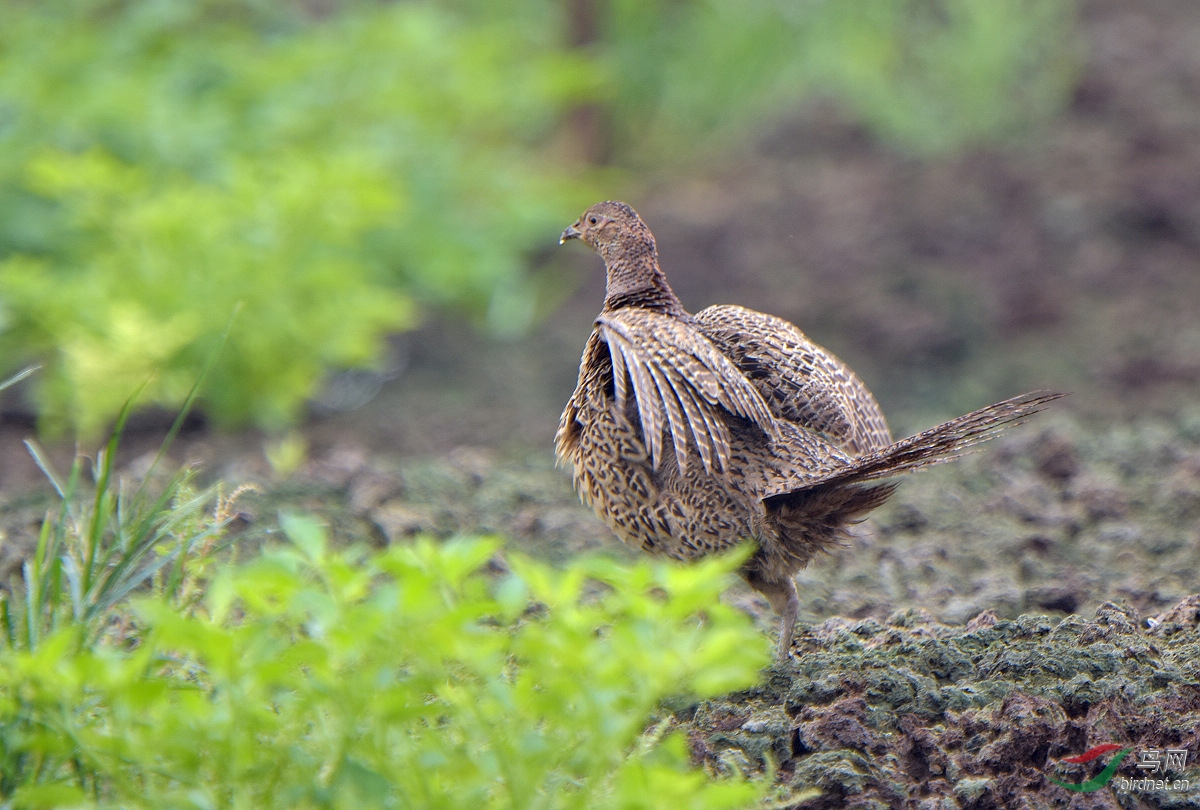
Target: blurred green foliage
{"x":163,"y":160}
{"x":339,"y":168}
{"x":403,"y":678}
{"x":923,"y":75}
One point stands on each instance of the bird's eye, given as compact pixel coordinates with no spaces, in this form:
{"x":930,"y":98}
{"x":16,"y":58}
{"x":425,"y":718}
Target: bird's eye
{"x":592,"y":220}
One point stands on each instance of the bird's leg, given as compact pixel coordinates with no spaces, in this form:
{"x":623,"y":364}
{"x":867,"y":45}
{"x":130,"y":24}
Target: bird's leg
{"x":786,"y":602}
{"x":788,"y":612}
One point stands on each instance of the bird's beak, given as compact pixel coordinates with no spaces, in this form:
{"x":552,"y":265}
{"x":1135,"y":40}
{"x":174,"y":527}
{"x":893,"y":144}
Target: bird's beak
{"x":571,"y":232}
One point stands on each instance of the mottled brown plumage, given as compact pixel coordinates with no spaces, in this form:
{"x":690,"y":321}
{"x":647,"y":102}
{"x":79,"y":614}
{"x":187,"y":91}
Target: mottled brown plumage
{"x":689,"y":434}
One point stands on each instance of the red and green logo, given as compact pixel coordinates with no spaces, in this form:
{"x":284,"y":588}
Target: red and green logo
{"x":1101,"y":779}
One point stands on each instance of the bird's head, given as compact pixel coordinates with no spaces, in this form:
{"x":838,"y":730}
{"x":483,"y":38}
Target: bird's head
{"x":612,"y":229}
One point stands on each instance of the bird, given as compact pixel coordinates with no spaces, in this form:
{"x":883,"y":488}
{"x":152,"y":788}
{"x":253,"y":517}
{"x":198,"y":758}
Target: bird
{"x":692,"y":434}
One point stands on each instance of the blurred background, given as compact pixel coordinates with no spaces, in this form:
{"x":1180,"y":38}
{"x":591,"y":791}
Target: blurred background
{"x":963,"y":199}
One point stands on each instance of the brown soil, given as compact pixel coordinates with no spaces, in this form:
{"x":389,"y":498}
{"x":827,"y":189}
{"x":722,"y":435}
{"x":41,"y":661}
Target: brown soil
{"x":912,"y":713}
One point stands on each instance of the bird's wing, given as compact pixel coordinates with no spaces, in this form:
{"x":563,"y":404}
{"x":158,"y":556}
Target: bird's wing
{"x":681,"y":383}
{"x":800,"y":381}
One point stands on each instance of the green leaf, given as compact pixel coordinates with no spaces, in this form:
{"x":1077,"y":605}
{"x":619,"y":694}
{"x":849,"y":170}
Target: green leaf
{"x":307,"y":534}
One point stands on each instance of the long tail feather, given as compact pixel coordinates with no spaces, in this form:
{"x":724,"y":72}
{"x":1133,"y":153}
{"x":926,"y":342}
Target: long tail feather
{"x":945,"y":442}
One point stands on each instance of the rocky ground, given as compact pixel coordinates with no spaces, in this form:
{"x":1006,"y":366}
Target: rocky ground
{"x":944,"y":662}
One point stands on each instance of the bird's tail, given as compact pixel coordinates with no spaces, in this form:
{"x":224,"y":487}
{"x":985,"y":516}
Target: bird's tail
{"x":945,"y":442}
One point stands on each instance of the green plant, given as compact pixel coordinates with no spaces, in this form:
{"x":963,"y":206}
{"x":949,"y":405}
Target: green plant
{"x":402,"y":678}
{"x":162,"y":161}
{"x":925,"y":75}
{"x":108,"y":539}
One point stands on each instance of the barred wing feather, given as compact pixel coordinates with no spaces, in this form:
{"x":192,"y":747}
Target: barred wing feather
{"x":682,"y":384}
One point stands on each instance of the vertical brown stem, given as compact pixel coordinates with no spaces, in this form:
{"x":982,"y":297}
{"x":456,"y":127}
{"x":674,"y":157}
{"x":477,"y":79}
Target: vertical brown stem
{"x":587,"y":124}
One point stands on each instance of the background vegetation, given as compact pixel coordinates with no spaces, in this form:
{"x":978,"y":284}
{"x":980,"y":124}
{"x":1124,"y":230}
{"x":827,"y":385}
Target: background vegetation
{"x":340,"y":170}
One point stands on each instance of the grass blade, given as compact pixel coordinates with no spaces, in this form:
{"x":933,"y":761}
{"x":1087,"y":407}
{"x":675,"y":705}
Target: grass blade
{"x":20,"y":375}
{"x":100,"y":511}
{"x":39,"y":458}
{"x":75,"y":583}
{"x":190,"y":401}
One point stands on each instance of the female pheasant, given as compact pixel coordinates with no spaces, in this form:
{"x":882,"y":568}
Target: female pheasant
{"x":689,"y":434}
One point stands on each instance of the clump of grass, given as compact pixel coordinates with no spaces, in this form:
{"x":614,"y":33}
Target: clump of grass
{"x":108,"y":539}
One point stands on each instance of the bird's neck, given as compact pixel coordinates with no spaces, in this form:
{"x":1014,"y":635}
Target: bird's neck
{"x":638,"y":281}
